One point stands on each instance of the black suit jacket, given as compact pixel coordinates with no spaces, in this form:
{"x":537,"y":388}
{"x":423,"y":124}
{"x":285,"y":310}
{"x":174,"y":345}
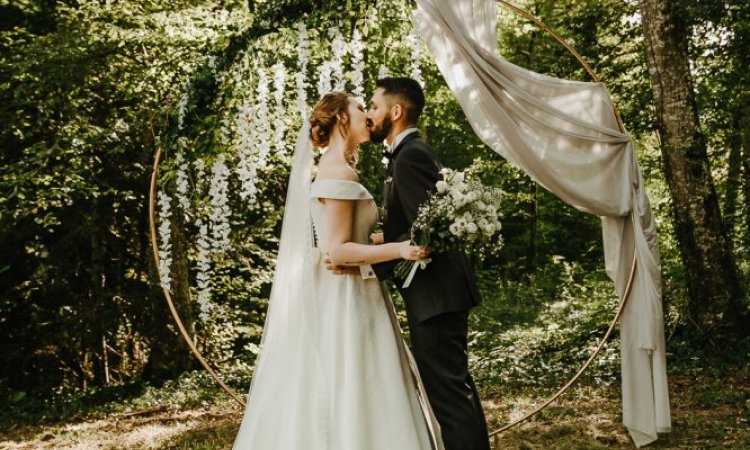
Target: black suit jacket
{"x":447,"y":283}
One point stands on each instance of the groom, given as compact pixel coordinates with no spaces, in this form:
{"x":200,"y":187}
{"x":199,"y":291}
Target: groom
{"x":440,"y":295}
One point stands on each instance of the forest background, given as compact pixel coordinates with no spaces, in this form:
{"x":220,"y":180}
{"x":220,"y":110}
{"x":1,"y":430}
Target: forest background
{"x":90,"y":89}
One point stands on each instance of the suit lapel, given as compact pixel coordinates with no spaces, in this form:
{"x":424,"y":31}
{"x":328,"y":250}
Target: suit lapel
{"x":387,"y":190}
{"x":401,"y":145}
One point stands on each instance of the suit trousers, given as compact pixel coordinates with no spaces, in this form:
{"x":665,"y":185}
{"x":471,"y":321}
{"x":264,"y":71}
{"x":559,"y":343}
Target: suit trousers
{"x":439,"y":345}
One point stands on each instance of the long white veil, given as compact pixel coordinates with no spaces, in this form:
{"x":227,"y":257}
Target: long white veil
{"x":284,"y":355}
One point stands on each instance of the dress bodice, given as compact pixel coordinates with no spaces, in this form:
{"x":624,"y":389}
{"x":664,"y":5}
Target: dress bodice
{"x":365,"y":210}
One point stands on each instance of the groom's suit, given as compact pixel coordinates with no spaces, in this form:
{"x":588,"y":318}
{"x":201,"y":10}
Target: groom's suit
{"x":437,"y":301}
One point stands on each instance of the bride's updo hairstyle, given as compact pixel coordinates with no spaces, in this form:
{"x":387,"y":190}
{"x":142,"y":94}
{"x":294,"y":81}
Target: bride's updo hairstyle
{"x":329,"y":115}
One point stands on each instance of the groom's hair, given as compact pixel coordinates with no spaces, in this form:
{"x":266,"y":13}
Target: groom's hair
{"x":408,"y":92}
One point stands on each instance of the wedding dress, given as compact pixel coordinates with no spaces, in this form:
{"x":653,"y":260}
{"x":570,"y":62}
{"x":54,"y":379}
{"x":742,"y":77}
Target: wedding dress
{"x":334,"y":372}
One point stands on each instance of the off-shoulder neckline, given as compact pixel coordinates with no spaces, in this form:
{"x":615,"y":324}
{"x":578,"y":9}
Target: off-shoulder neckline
{"x":323,"y":180}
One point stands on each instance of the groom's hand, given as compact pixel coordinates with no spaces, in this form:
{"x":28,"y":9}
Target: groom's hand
{"x":341,"y":270}
{"x":377,"y":238}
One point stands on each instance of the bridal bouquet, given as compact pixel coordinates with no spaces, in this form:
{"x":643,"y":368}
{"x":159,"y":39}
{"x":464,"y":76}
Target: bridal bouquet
{"x":461,"y":214}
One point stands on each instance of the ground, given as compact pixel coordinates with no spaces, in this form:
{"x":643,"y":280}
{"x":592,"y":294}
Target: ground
{"x":708,"y":412}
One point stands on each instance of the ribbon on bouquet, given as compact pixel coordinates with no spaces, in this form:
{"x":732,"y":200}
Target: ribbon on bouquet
{"x":414,"y":266}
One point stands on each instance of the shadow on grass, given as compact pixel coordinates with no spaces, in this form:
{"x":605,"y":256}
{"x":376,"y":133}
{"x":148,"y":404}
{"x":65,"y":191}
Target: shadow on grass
{"x":216,"y":434}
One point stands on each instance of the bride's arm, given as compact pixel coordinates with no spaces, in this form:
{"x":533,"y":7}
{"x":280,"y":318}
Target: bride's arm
{"x":342,"y":251}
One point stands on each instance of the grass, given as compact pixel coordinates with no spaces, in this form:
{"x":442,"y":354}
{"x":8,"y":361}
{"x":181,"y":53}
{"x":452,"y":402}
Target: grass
{"x":707,"y":412}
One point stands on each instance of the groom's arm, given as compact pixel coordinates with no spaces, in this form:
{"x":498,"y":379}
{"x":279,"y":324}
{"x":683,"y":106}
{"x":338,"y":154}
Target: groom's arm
{"x":416,"y":171}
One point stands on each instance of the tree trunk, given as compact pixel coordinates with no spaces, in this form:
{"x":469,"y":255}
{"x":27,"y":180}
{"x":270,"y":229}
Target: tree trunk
{"x":733,"y":185}
{"x":97,"y":308}
{"x":711,"y":272}
{"x":745,"y":208}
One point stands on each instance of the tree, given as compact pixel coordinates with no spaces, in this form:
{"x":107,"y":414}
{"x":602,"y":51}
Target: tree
{"x":714,"y":287}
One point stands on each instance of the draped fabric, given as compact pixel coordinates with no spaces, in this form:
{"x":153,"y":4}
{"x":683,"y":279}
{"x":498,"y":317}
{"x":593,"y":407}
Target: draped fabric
{"x":565,"y":135}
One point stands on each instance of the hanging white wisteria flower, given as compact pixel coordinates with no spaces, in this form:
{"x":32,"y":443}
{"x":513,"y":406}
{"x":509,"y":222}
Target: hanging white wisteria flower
{"x":261,"y":118}
{"x":415,"y":44}
{"x":279,"y":84}
{"x":356,"y":76}
{"x":200,"y":173}
{"x":338,"y":51}
{"x":383,"y":71}
{"x":212,"y":64}
{"x":181,"y":179}
{"x":225,"y":131}
{"x":303,"y":53}
{"x":324,"y":80}
{"x":182,"y":106}
{"x":203,"y":277}
{"x":218,"y":194}
{"x":246,"y":170}
{"x":165,"y":246}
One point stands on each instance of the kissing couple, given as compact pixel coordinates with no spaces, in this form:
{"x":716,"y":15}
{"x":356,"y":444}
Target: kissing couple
{"x":334,"y":372}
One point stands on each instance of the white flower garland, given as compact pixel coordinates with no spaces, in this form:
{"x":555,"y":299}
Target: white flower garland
{"x":303,"y":54}
{"x":246,"y":170}
{"x":279,"y":83}
{"x":165,"y":247}
{"x":324,"y":80}
{"x":356,"y":76}
{"x":338,"y":50}
{"x":200,"y":173}
{"x":182,"y":107}
{"x":220,"y":211}
{"x":182,"y":181}
{"x":225,"y":131}
{"x":204,"y":266}
{"x":415,"y":44}
{"x":262,"y":119}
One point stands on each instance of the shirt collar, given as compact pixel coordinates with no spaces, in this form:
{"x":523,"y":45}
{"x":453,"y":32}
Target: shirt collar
{"x":397,"y":140}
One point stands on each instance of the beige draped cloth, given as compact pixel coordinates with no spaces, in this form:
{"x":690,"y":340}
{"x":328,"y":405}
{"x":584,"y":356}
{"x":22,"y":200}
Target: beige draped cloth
{"x":565,"y":135}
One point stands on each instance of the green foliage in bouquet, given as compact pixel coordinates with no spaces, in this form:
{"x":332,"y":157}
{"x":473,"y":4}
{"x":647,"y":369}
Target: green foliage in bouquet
{"x":462,"y":213}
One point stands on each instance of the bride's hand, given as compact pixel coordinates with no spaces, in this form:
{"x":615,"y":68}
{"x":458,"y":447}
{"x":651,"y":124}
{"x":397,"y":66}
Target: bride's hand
{"x":412,"y":252}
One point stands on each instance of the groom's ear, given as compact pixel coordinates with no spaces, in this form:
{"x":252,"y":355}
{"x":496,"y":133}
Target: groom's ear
{"x":398,"y":112}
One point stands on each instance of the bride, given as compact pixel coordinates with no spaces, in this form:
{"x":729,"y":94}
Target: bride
{"x":333,"y":372}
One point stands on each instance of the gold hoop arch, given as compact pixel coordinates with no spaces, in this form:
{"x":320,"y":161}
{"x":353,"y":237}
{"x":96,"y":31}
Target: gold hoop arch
{"x":623,"y":301}
{"x":168,"y":296}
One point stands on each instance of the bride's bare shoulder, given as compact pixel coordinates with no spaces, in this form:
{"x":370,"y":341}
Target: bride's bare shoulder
{"x":336,"y":172}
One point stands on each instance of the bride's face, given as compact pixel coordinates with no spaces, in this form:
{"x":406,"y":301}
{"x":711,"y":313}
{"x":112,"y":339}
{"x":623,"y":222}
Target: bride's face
{"x":358,"y":131}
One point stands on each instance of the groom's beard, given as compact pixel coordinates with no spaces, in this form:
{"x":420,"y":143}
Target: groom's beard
{"x":378,"y":134}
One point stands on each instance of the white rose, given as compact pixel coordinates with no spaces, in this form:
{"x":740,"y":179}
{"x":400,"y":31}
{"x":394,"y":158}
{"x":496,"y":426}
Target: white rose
{"x":458,"y":197}
{"x":454,"y":229}
{"x":489,"y":229}
{"x":441,"y":186}
{"x":458,"y":177}
{"x":471,"y":227}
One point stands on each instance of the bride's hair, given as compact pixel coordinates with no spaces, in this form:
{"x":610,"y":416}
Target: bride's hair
{"x":332,"y":111}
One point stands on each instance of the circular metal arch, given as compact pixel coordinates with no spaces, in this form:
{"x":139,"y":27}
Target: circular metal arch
{"x":623,"y":301}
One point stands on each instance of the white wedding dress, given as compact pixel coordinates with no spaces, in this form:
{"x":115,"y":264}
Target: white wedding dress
{"x":348,"y":382}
